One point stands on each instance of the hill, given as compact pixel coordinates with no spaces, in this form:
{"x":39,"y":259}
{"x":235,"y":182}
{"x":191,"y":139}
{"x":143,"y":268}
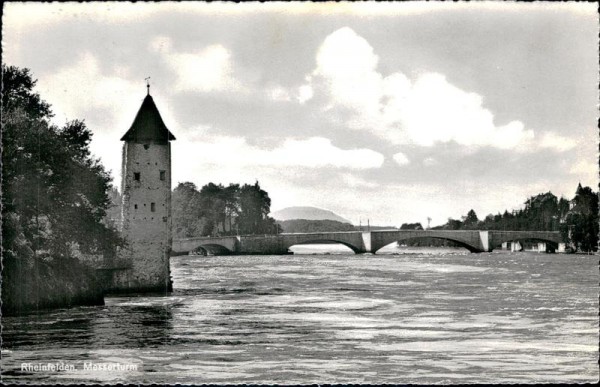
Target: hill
{"x":365,"y":227}
{"x":307,"y":213}
{"x":305,"y":225}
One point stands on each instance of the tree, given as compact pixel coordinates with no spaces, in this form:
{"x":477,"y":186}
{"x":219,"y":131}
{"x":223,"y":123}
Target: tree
{"x":453,"y":224}
{"x":540,"y":212}
{"x":470,"y":222}
{"x":563,"y":208}
{"x":18,"y":94}
{"x":323,"y":225}
{"x":213,"y":207}
{"x":231,"y":199}
{"x":585,"y":201}
{"x":219,"y":210}
{"x":188,"y":219}
{"x":411,"y":226}
{"x":255,"y":206}
{"x":113,"y":213}
{"x":580,"y":226}
{"x":55,"y":194}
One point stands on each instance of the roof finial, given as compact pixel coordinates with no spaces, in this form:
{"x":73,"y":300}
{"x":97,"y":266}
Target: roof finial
{"x":148,"y":84}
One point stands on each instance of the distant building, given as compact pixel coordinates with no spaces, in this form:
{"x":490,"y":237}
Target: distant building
{"x":580,"y":202}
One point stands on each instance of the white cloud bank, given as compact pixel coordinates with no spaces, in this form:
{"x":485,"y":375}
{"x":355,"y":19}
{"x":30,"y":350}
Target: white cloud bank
{"x":314,"y":152}
{"x":423,"y":111}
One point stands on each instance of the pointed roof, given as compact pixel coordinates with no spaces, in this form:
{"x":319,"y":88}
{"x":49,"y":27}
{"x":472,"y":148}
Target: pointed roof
{"x":148,"y":125}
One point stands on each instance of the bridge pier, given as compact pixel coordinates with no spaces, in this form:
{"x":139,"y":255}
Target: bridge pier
{"x":367,"y":242}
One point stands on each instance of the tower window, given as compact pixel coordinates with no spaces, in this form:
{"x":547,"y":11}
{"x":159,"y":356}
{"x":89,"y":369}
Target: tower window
{"x":146,"y":146}
{"x":136,"y":176}
{"x":135,"y":206}
{"x":163,"y":175}
{"x":152,"y":207}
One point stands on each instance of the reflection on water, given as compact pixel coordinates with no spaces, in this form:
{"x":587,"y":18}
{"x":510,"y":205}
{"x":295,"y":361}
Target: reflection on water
{"x":433,"y":317}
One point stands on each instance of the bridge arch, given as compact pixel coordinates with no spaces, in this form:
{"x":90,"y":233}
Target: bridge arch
{"x":460,"y":243}
{"x":353,"y":240}
{"x":468,"y":239}
{"x":551,"y":238}
{"x":549,"y":242}
{"x":326,"y":242}
{"x":211,"y":249}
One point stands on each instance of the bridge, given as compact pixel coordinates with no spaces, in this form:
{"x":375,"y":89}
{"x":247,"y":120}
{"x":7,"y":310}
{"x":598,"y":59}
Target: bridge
{"x":360,"y":242}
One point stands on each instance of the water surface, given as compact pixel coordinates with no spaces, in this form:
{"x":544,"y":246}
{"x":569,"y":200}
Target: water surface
{"x":441,"y":317}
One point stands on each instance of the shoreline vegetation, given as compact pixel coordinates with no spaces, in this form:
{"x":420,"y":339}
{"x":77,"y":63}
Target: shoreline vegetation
{"x":54,"y":203}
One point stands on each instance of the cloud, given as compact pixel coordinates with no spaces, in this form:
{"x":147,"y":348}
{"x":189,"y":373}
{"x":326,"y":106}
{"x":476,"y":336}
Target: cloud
{"x":305,"y":92}
{"x":347,"y":62}
{"x":315,"y":152}
{"x":423,"y":111}
{"x":278,"y":93}
{"x":46,"y":14}
{"x":34,"y":14}
{"x":401,"y":159}
{"x":357,"y":182}
{"x":205,"y":70}
{"x":557,"y":142}
{"x":585,"y":170}
{"x":433,"y":110}
{"x":293,"y":172}
{"x":430,"y":161}
{"x":83,"y":88}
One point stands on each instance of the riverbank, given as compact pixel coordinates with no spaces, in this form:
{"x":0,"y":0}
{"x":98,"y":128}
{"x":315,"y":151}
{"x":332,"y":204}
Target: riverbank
{"x":33,"y":284}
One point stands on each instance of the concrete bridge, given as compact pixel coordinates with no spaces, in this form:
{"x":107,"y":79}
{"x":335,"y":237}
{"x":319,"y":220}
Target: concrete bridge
{"x":360,"y":242}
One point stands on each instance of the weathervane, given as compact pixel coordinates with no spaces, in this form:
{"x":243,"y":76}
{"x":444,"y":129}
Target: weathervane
{"x":148,"y":84}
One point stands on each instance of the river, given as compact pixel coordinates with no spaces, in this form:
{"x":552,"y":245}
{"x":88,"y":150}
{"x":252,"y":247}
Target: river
{"x":437,"y":316}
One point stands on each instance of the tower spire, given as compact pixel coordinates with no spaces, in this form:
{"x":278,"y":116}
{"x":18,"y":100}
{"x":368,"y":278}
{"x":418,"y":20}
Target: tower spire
{"x":148,"y":84}
{"x":148,"y":125}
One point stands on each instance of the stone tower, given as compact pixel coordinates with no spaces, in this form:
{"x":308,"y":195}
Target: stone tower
{"x":146,"y":202}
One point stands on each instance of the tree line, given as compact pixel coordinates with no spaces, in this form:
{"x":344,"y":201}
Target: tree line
{"x":576,"y":219}
{"x":216,"y":210}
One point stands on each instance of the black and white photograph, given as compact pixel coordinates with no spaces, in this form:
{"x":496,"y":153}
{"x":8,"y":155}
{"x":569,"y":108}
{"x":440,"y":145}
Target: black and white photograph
{"x":292,"y":193}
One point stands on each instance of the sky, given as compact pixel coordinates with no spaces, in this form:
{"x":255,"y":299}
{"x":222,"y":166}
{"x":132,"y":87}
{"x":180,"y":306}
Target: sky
{"x":392,"y":112}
